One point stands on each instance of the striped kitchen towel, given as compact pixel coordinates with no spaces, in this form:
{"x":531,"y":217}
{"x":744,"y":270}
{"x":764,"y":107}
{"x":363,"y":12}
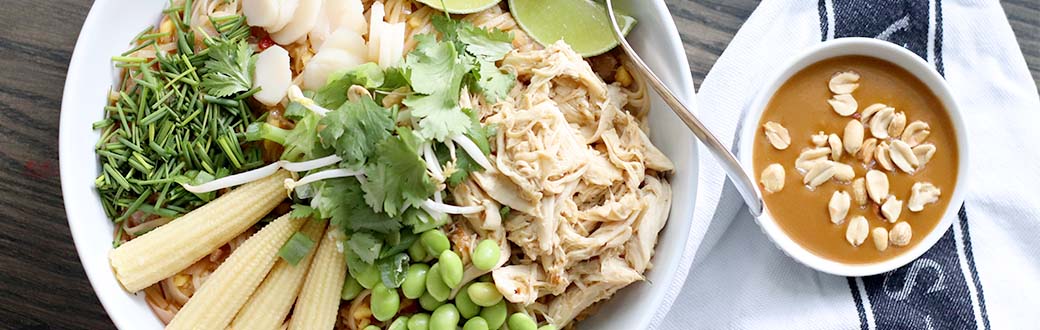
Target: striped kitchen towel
{"x":985,"y":271}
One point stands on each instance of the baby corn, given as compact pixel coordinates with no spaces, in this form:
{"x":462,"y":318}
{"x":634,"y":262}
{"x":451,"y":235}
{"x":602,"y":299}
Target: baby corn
{"x":173,"y":247}
{"x":230,"y":286}
{"x":269,"y":305}
{"x":318,"y":303}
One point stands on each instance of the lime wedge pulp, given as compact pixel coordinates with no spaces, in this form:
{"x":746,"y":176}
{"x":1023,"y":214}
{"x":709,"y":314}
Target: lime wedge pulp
{"x":582,"y":24}
{"x":461,"y":6}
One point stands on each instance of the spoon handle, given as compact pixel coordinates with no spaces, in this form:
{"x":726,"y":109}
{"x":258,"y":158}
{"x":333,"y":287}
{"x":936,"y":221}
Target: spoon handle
{"x":745,"y":185}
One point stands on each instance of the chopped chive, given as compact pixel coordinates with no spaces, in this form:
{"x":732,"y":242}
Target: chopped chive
{"x":152,"y":36}
{"x":173,"y":9}
{"x":116,"y":176}
{"x":128,"y":59}
{"x":220,"y":101}
{"x":248,"y":93}
{"x":133,"y":206}
{"x":154,"y":117}
{"x":151,"y":182}
{"x":138,"y":47}
{"x":102,"y":123}
{"x":296,"y":248}
{"x":129,"y":144}
{"x":110,"y":154}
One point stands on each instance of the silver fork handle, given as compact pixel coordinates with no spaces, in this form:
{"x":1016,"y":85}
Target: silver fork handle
{"x":745,"y":185}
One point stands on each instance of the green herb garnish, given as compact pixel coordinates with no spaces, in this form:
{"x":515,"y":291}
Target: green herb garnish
{"x":178,"y":118}
{"x":296,"y":248}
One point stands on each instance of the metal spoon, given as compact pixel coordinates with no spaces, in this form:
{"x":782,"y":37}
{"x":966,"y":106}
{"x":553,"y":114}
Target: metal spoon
{"x":745,"y":185}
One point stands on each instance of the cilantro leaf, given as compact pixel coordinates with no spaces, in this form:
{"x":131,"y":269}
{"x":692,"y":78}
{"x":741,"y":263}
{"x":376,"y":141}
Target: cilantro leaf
{"x":334,"y":94}
{"x":433,"y":66}
{"x":394,"y":78}
{"x":438,"y":121}
{"x":301,"y":142}
{"x":355,"y":129}
{"x":464,"y":165}
{"x":229,"y":69}
{"x":366,"y":246}
{"x":398,"y":241}
{"x":302,"y":211}
{"x":343,"y":202}
{"x":355,"y":266}
{"x":449,"y":28}
{"x":492,"y":82}
{"x":434,"y":69}
{"x":420,"y":221}
{"x":397,"y":176}
{"x":392,"y":269}
{"x":488,"y":45}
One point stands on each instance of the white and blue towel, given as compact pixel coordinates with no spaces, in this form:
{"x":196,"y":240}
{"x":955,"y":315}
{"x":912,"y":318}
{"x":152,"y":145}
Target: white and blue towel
{"x":985,"y":271}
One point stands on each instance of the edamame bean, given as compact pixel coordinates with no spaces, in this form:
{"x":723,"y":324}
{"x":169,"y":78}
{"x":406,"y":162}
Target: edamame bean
{"x":548,"y":327}
{"x":465,"y":305}
{"x":351,"y":288}
{"x":435,"y":241}
{"x":486,"y":254}
{"x":520,"y":321}
{"x":484,"y":294}
{"x":435,"y":283}
{"x":417,"y":251}
{"x":428,"y":302}
{"x":445,"y":317}
{"x":385,"y":302}
{"x":415,"y":281}
{"x":369,"y":277}
{"x":419,"y":321}
{"x":451,"y":268}
{"x":401,"y":323}
{"x":476,"y":323}
{"x":371,"y":327}
{"x":495,"y":315}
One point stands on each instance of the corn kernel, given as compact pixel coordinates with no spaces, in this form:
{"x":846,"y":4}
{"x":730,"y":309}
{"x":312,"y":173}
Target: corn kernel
{"x":415,"y":22}
{"x":622,"y":77}
{"x":181,"y":280}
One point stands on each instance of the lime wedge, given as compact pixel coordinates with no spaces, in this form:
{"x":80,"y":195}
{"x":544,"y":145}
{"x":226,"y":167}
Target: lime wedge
{"x":461,"y":6}
{"x":582,"y":24}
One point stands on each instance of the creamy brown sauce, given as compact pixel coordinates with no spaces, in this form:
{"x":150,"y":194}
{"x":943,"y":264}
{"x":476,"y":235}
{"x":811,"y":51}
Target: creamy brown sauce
{"x":801,"y":106}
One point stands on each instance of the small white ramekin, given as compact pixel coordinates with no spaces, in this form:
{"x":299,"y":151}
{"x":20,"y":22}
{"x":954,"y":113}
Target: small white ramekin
{"x":902,"y":58}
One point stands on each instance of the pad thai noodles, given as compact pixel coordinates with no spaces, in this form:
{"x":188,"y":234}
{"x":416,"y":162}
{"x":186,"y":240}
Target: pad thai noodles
{"x":363,"y":164}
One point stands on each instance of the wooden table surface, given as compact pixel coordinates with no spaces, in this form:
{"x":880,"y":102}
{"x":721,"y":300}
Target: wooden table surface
{"x":42,"y":285}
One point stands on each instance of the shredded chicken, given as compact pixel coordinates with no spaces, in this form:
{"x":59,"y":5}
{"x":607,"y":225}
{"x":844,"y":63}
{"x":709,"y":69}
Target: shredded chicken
{"x":583,"y":181}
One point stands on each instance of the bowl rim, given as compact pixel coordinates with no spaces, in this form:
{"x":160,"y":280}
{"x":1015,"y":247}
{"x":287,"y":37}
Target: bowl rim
{"x":82,"y":208}
{"x":898,"y":56}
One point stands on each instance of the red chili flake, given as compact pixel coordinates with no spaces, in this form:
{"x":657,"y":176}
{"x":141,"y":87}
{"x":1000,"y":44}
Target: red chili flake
{"x":265,"y":43}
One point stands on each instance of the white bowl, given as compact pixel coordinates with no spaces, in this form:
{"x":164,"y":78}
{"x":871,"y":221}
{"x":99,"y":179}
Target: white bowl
{"x":110,"y":26}
{"x":902,"y":58}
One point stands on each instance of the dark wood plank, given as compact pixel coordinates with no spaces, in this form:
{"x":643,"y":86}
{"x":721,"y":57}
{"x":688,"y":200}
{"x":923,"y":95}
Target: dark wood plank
{"x":42,"y":285}
{"x":1024,"y":17}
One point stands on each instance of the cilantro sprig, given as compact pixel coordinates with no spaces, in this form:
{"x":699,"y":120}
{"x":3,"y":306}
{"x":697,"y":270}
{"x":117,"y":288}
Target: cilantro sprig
{"x":438,"y":69}
{"x":380,"y":212}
